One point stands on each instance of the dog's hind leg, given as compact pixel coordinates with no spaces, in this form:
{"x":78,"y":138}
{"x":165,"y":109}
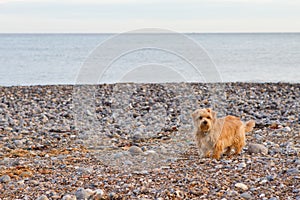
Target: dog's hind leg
{"x":239,"y":141}
{"x":238,"y":146}
{"x":228,"y":151}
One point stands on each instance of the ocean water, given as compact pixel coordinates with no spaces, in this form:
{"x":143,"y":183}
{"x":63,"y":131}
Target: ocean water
{"x":40,"y":59}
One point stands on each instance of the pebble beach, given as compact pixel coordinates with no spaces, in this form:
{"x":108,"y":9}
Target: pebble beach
{"x":135,"y":141}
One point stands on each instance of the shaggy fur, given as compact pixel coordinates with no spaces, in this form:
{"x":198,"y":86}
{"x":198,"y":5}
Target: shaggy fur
{"x":213,"y":136}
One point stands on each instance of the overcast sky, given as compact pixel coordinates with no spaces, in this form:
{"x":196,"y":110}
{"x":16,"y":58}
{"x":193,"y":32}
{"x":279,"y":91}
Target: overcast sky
{"x":84,"y":16}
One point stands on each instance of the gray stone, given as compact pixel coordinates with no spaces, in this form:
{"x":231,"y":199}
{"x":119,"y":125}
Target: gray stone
{"x":246,"y":195}
{"x":137,"y":137}
{"x":98,"y":194}
{"x":118,"y":155}
{"x":297,"y":161}
{"x":231,"y":193}
{"x":143,"y":172}
{"x":242,"y":165}
{"x":296,"y":190}
{"x":4,"y":179}
{"x":89,"y":192}
{"x":271,"y":177}
{"x":150,"y":153}
{"x":257,"y":148}
{"x":82,"y":194}
{"x":258,"y":137}
{"x":134,"y":150}
{"x":18,"y":143}
{"x":34,"y":182}
{"x":89,"y":113}
{"x":43,"y":197}
{"x":287,"y":129}
{"x":128,"y":162}
{"x":84,"y":170}
{"x":69,"y":197}
{"x":293,"y":171}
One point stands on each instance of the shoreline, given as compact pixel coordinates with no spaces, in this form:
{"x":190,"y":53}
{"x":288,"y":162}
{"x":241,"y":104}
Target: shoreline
{"x":135,"y":141}
{"x":228,"y":82}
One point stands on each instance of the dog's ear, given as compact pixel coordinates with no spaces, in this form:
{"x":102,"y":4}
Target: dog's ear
{"x":214,"y":115}
{"x":194,"y":114}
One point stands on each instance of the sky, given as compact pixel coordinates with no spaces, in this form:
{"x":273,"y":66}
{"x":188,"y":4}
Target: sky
{"x":116,"y":16}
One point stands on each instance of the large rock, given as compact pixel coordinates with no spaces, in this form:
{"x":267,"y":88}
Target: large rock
{"x":257,"y":148}
{"x":82,"y":194}
{"x":134,"y":150}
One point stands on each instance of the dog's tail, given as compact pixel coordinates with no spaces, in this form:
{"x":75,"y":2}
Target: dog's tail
{"x":249,"y":125}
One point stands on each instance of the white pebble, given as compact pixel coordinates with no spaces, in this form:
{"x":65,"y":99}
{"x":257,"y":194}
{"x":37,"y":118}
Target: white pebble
{"x":241,"y":185}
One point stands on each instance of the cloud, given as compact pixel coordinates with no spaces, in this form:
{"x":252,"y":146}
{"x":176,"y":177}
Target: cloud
{"x":171,"y":2}
{"x":74,"y":1}
{"x":6,"y":1}
{"x":122,"y":15}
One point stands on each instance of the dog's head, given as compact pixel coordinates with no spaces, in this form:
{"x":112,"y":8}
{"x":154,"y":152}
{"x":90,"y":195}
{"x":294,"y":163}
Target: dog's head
{"x":204,"y":119}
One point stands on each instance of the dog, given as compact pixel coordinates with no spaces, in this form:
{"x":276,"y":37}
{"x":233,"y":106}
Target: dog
{"x":213,"y":136}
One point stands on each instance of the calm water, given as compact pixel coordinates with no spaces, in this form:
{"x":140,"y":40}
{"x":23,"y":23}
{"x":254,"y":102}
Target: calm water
{"x":30,"y":59}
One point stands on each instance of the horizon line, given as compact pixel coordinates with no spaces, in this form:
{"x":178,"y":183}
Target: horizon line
{"x":128,"y":32}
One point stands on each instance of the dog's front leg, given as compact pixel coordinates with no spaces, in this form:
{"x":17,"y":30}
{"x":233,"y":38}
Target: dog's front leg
{"x":201,"y":153}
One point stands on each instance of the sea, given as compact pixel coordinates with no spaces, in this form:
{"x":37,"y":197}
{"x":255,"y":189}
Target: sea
{"x":52,"y":59}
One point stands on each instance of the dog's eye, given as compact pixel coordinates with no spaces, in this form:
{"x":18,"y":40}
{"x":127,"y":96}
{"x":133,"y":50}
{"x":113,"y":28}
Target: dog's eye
{"x":200,"y":117}
{"x":208,"y":117}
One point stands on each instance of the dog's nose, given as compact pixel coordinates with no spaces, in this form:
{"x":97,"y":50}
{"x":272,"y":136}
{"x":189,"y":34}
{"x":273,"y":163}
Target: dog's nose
{"x":205,"y":122}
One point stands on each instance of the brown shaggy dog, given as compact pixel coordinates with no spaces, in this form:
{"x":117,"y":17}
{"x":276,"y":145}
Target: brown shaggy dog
{"x":215,"y":135}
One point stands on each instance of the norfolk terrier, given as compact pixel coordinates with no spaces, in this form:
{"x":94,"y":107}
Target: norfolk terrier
{"x":214,"y":136}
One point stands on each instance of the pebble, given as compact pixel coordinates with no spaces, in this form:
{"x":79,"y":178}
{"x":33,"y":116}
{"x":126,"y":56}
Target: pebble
{"x":134,"y":150}
{"x":84,"y":170}
{"x":128,"y":162}
{"x":258,"y":137}
{"x":271,"y":177}
{"x":83,"y":194}
{"x":231,"y":193}
{"x":262,"y":195}
{"x":242,"y":165}
{"x":293,"y":171}
{"x":43,"y":197}
{"x":241,"y":186}
{"x":150,"y":153}
{"x":257,"y":148}
{"x":4,"y":179}
{"x":18,"y":143}
{"x":287,"y":129}
{"x":34,"y":182}
{"x":263,"y":181}
{"x":246,"y":195}
{"x":118,"y":155}
{"x":296,"y":190}
{"x":98,"y":194}
{"x":137,"y":137}
{"x":69,"y":197}
{"x":89,"y":113}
